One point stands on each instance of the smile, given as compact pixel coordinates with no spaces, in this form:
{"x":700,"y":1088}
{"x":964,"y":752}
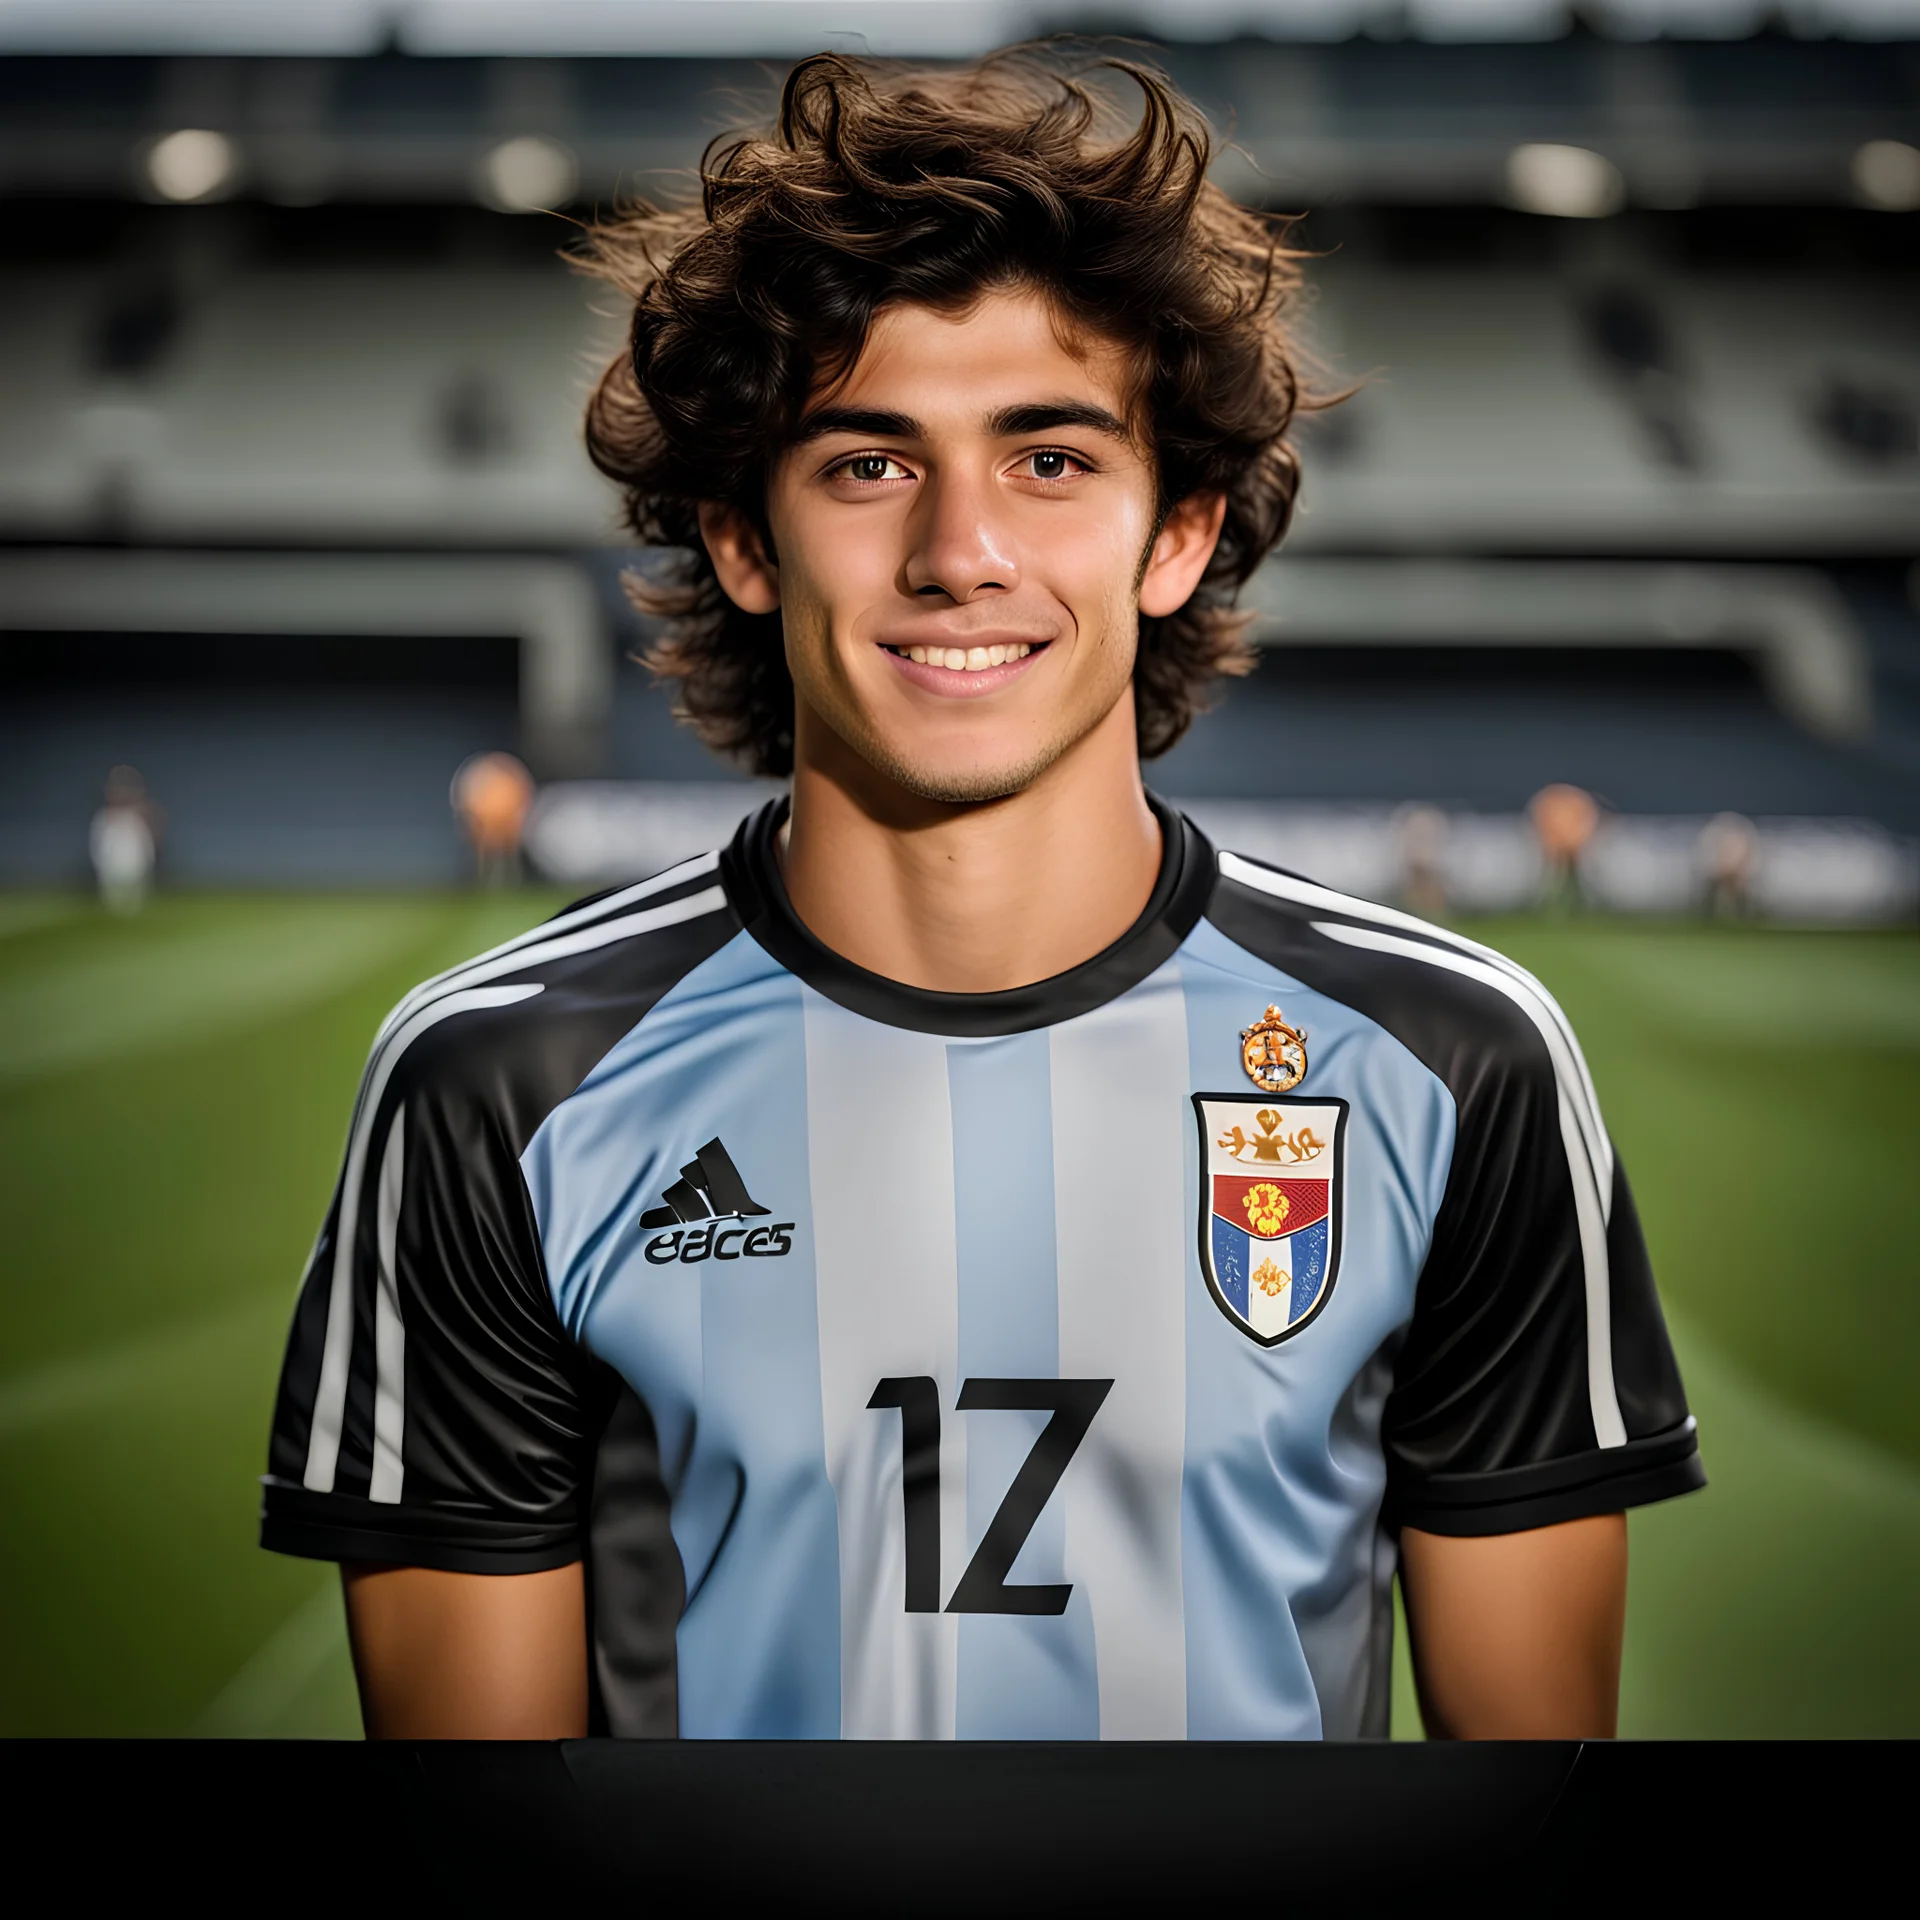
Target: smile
{"x":965,"y":672}
{"x":963,"y":659}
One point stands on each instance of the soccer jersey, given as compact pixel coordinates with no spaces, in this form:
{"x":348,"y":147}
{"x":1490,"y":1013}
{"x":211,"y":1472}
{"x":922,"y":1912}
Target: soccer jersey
{"x":1052,"y":1363}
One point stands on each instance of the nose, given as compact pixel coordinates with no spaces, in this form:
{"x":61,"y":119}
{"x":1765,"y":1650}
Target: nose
{"x":955,"y":551}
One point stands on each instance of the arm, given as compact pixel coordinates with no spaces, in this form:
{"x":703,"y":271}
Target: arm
{"x":1535,"y":1397}
{"x":1516,"y":1636}
{"x":469,"y":1656}
{"x":457,"y":1507}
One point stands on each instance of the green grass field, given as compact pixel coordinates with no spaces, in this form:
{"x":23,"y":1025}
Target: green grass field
{"x":173,"y":1093}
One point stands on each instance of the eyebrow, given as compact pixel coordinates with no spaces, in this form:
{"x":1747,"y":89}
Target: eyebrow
{"x":1045,"y":415}
{"x":874,"y":422}
{"x":1038,"y":416}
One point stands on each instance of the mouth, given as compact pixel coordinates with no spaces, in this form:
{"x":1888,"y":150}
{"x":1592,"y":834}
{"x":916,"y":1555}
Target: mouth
{"x":965,"y":672}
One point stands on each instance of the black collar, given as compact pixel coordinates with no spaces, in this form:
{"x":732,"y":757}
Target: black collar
{"x":750,"y":870}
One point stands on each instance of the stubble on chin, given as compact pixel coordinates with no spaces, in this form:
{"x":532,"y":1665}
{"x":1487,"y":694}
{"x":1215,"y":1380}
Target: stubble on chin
{"x":959,"y":786}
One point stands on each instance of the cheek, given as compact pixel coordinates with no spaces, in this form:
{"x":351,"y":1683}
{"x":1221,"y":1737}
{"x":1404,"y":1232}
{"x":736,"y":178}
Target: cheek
{"x":1097,"y":558}
{"x":1096,"y":578}
{"x":834,"y":579}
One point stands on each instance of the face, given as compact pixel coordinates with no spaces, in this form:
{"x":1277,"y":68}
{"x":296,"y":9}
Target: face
{"x":965,"y":539}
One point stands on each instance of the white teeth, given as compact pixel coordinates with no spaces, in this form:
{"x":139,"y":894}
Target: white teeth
{"x":968,"y":659}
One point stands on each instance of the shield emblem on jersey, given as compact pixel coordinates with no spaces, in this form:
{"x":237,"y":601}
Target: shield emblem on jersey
{"x":1272,"y":1191}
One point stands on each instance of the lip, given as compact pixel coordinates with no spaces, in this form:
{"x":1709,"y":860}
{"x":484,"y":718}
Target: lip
{"x":949,"y":684}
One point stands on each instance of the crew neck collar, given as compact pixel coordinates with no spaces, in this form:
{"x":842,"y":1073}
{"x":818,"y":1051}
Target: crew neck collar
{"x":750,"y":871}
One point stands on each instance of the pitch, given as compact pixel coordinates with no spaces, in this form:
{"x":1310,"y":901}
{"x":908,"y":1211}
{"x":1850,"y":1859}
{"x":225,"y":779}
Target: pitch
{"x":173,"y":1091}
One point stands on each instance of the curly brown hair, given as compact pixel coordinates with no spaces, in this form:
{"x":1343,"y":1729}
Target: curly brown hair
{"x":880,"y":186}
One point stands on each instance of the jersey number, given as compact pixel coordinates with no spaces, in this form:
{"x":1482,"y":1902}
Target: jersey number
{"x":983,"y":1587}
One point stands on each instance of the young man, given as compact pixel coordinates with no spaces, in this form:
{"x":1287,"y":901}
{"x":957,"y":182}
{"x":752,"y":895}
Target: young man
{"x":968,"y":1259}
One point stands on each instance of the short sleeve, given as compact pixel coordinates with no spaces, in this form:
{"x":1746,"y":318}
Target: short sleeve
{"x":1536,"y":1383}
{"x":430,"y":1410}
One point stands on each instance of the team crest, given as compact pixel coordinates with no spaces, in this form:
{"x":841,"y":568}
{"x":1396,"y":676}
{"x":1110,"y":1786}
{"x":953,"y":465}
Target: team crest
{"x":1272,"y":1188}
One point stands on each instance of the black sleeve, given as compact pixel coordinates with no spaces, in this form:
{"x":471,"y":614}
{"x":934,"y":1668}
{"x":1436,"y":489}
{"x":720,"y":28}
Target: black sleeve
{"x":431,"y":1407}
{"x":1536,"y":1383}
{"x":433,"y":1411}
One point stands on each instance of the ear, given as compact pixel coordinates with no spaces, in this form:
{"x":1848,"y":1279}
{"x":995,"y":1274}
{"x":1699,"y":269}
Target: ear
{"x":1180,"y":553}
{"x":739,"y":555}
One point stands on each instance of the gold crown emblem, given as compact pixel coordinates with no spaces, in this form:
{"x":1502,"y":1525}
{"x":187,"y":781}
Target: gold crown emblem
{"x":1272,"y":1144}
{"x":1273,"y":1053}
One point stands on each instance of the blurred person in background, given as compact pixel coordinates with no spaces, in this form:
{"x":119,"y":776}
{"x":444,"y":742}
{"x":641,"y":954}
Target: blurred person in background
{"x":1565,"y":819}
{"x":775,"y":1299}
{"x":1422,"y":834}
{"x":1724,"y":857}
{"x":123,"y":841}
{"x":492,"y":793}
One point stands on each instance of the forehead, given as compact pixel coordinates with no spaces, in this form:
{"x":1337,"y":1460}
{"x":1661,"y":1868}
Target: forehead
{"x":1008,"y":348}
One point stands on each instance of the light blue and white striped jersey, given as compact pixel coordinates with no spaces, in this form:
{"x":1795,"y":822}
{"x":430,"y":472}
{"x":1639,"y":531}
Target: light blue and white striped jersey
{"x":1053,"y":1364}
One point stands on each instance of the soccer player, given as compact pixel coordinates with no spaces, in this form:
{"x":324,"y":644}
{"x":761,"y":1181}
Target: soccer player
{"x":492,"y":794}
{"x":968,"y":1258}
{"x":123,"y":841}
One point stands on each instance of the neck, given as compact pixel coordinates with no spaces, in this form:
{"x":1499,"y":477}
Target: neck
{"x":973,"y":898}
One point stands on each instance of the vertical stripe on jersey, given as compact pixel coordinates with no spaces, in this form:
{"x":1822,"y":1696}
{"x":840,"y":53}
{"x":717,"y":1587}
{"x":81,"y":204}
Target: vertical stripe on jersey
{"x":1122,"y":1169}
{"x":880,"y":1153}
{"x":1284,"y":1577}
{"x":389,"y":1331}
{"x":722,"y":1351}
{"x":1021,"y":1676}
{"x":758,"y":1642}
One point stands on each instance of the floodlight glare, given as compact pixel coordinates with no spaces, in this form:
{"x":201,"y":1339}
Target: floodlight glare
{"x":528,"y":175}
{"x":1572,"y":183}
{"x":1886,"y":174}
{"x":193,"y":164}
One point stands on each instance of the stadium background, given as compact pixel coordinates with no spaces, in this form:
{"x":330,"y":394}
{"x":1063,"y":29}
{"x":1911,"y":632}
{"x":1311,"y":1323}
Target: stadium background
{"x":293,"y":517}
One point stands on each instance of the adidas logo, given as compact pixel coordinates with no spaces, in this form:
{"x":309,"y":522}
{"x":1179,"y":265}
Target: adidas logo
{"x":698,"y":1207}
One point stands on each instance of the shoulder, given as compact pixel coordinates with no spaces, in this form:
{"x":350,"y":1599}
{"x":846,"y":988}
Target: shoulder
{"x":515,"y":1029}
{"x":1464,"y":1009}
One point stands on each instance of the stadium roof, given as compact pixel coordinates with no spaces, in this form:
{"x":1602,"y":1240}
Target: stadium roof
{"x":919,"y":27}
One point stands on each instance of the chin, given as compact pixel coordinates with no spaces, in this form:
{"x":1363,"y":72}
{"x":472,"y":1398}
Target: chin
{"x":970,"y":789}
{"x":967,"y":761}
{"x":962,"y":783}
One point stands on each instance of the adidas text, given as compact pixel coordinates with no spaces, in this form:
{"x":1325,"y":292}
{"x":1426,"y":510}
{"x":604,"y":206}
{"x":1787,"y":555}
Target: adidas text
{"x":717,"y":1241}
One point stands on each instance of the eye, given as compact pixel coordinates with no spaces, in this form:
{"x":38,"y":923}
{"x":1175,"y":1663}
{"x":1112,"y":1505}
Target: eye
{"x":871,"y":467}
{"x":1053,"y":463}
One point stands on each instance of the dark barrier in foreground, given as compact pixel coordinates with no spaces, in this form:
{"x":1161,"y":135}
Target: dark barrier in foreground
{"x":962,"y":1829}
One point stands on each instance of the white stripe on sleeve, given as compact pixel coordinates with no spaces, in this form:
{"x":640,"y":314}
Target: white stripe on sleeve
{"x":1609,"y":1429}
{"x":599,"y":913}
{"x":330,"y":1402}
{"x":461,"y":991}
{"x":1308,"y":893}
{"x":389,"y":1330}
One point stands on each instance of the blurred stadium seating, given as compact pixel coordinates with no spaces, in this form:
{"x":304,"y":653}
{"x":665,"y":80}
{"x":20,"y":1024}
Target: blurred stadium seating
{"x":289,"y":406}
